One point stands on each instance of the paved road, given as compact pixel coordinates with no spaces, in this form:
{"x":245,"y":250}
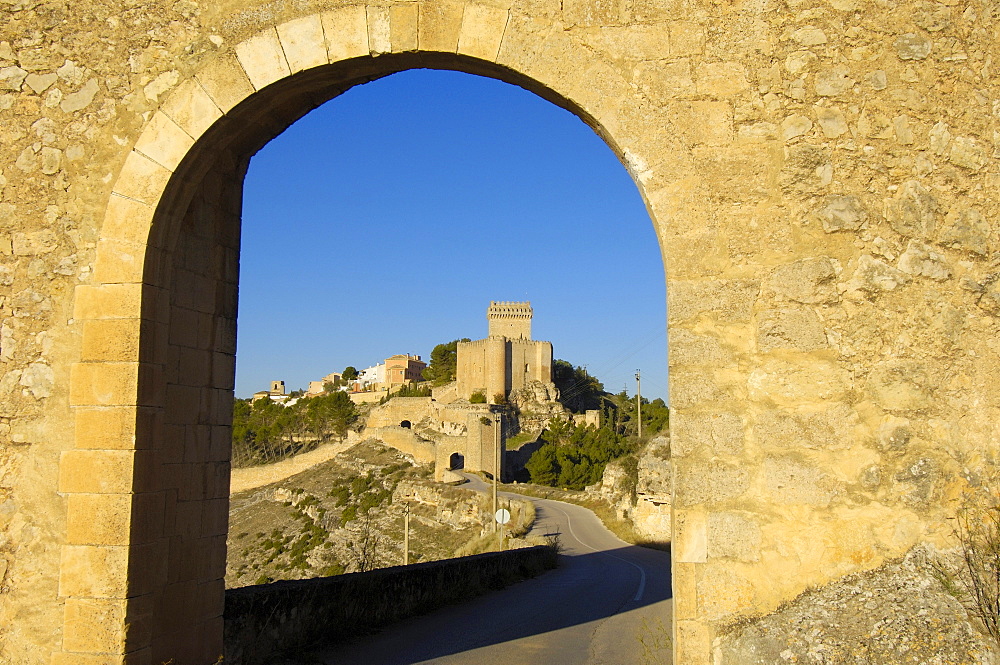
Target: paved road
{"x":608,"y":603}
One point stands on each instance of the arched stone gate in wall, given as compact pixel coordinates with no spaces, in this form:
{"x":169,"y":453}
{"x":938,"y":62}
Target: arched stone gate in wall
{"x":827,"y":218}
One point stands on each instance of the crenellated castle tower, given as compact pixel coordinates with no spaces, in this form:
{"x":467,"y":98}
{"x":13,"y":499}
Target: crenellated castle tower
{"x":507,"y":359}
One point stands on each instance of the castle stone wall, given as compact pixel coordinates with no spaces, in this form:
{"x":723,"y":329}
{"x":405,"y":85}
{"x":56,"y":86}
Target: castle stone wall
{"x":821,"y":176}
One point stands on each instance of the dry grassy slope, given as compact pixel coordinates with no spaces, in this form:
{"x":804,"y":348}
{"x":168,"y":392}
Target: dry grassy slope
{"x":346,"y":514}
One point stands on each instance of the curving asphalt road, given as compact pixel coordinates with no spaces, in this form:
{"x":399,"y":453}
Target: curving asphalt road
{"x":608,"y":603}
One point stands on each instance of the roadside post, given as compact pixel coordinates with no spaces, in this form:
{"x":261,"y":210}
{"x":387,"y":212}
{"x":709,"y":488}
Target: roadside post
{"x":502,"y":516}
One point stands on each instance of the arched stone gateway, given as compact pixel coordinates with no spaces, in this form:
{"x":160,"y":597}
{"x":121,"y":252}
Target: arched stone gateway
{"x":822,"y":178}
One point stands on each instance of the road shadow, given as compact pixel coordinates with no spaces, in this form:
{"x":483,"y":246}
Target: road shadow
{"x":584,"y":589}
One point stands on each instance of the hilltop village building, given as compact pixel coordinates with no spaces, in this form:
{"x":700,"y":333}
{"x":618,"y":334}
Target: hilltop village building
{"x":403,"y":368}
{"x":507,"y":359}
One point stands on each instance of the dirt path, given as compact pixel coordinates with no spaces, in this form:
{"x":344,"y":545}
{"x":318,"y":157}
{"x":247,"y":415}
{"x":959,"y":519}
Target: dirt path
{"x":258,"y":476}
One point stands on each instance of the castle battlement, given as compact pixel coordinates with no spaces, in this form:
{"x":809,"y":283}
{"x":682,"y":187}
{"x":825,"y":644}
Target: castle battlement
{"x":509,"y":319}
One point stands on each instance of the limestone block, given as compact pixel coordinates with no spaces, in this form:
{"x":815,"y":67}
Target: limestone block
{"x":108,"y":301}
{"x":142,"y":179}
{"x":967,"y":153}
{"x":843,"y":213}
{"x":303,"y":43}
{"x":831,"y":121}
{"x":690,"y":539}
{"x":637,"y":42}
{"x":34,"y":243}
{"x":723,"y":592}
{"x":164,"y":142}
{"x":808,"y":169}
{"x":379,"y":30}
{"x":114,"y":340}
{"x":704,"y":123}
{"x":725,"y":301}
{"x":593,"y":13}
{"x":797,"y":380}
{"x":225,"y":82}
{"x":900,"y":385}
{"x":688,"y":348}
{"x":809,"y":35}
{"x":789,"y":480}
{"x":263,"y":59}
{"x":686,"y":38}
{"x":717,"y":433}
{"x":38,"y":380}
{"x":921,"y":260}
{"x":797,"y":328}
{"x":694,"y":388}
{"x":968,"y":230}
{"x":663,"y":79}
{"x":735,"y":535}
{"x":722,"y":79}
{"x":694,"y":642}
{"x":39,"y":83}
{"x":709,"y":483}
{"x":522,"y":42}
{"x":873,"y":276}
{"x":403,"y":27}
{"x":99,"y":519}
{"x":97,"y":471}
{"x":904,"y":134}
{"x":127,"y":220}
{"x":439,"y":26}
{"x":191,"y":107}
{"x":80,"y":99}
{"x":826,"y":428}
{"x":744,"y":173}
{"x":126,"y":427}
{"x":93,"y":572}
{"x":11,"y":78}
{"x":913,"y":46}
{"x":95,"y":625}
{"x":119,"y":262}
{"x":794,"y":126}
{"x":877,"y":80}
{"x":51,"y":160}
{"x":808,"y":281}
{"x":346,"y":30}
{"x":482,"y":31}
{"x":104,"y":384}
{"x":834,"y":82}
{"x":798,"y":62}
{"x":685,"y":587}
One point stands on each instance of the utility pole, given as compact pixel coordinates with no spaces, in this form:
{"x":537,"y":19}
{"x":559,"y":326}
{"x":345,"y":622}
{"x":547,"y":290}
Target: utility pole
{"x":406,"y":534}
{"x":638,"y":400}
{"x":496,"y":468}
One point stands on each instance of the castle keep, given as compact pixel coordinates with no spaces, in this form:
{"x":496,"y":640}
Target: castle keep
{"x":508,"y":359}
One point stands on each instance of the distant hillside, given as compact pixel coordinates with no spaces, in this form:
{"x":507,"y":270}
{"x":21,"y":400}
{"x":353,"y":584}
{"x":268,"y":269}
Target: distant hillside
{"x":346,"y":515}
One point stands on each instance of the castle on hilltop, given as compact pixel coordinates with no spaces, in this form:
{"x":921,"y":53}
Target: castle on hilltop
{"x":507,"y":359}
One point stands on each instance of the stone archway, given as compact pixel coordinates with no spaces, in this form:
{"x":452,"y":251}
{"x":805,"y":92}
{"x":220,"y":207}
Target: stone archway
{"x":153,"y":392}
{"x":811,"y":194}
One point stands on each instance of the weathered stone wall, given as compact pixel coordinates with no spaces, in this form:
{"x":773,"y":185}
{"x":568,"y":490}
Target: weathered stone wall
{"x":821,"y":175}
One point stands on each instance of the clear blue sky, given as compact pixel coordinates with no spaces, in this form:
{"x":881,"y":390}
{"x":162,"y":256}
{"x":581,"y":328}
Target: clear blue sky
{"x":386,"y":220}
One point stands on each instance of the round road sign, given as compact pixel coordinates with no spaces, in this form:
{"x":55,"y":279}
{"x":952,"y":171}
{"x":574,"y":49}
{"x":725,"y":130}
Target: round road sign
{"x":503,"y":516}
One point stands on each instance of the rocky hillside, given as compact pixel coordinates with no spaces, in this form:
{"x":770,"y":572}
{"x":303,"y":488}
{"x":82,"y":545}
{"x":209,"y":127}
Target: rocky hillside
{"x":896,"y":614}
{"x":346,"y":515}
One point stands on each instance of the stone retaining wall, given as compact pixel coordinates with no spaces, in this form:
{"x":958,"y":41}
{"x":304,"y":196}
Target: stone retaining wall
{"x":263,"y":620}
